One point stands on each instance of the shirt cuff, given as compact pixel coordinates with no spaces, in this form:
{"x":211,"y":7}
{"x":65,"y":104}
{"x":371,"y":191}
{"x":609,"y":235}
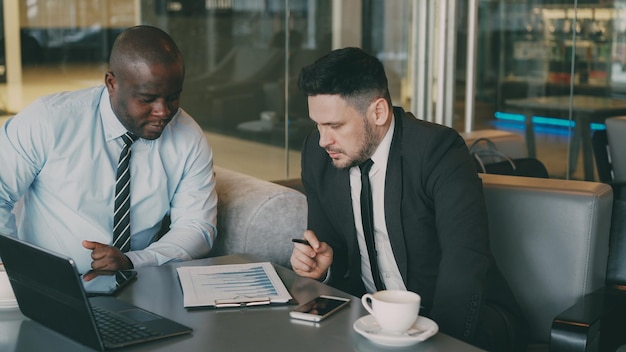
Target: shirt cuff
{"x":140,"y":259}
{"x":327,"y":278}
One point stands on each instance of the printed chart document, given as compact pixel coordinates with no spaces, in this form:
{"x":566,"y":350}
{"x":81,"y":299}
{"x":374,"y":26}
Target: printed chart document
{"x":232,"y":285}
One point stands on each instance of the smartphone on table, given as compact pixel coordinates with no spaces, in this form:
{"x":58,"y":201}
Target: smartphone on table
{"x":319,"y":308}
{"x":106,"y":282}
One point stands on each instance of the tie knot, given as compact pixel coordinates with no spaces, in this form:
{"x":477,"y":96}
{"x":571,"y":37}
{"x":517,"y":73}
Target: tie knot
{"x":129,"y":138}
{"x":366,"y":166}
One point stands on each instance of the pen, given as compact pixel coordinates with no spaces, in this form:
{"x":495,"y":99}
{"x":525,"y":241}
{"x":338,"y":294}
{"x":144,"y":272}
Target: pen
{"x":297,"y":240}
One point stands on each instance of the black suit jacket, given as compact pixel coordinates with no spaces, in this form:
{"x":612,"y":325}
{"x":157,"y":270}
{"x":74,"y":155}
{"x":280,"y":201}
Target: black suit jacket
{"x":435,"y":214}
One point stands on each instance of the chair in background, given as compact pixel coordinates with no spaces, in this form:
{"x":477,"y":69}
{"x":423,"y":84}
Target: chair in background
{"x":235,"y":81}
{"x":550,"y":239}
{"x":609,"y":149}
{"x":600,"y":145}
{"x":616,"y":139}
{"x":616,"y":136}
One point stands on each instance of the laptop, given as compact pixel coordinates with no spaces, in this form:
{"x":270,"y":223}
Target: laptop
{"x":49,"y":290}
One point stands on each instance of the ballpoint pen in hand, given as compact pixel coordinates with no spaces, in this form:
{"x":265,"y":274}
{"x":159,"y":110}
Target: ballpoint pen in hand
{"x":298,"y":240}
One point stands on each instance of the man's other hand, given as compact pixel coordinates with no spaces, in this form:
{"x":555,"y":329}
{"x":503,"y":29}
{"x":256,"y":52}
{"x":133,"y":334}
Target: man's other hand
{"x":312,"y":260}
{"x":106,"y":257}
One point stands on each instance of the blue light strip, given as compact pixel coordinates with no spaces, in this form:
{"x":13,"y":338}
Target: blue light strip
{"x":540,"y":120}
{"x":545,"y":129}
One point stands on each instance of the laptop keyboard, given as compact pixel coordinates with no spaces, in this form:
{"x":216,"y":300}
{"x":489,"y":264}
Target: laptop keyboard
{"x":115,"y":331}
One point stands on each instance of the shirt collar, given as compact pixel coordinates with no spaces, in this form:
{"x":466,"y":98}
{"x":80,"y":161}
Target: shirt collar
{"x":381,"y":154}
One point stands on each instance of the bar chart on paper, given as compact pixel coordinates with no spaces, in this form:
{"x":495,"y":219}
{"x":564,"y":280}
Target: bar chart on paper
{"x":232,"y":285}
{"x":251,"y":282}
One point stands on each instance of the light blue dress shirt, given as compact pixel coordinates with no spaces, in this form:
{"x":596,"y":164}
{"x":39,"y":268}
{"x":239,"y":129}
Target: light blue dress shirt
{"x":60,"y":155}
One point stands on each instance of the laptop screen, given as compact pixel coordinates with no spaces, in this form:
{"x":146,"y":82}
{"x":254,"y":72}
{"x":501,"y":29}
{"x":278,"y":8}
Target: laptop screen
{"x":48,"y":290}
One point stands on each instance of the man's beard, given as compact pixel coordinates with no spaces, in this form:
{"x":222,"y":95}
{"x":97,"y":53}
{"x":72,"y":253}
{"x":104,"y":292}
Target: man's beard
{"x":367,"y":149}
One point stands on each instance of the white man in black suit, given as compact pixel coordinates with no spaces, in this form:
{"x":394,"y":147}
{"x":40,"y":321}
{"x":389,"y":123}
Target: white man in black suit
{"x":429,"y":215}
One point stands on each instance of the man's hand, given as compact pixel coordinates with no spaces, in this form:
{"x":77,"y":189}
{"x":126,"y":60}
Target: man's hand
{"x":311,"y":260}
{"x":106,"y":257}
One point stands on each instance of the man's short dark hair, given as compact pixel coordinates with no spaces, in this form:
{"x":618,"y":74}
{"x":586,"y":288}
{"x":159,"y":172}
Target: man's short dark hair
{"x":351,"y":73}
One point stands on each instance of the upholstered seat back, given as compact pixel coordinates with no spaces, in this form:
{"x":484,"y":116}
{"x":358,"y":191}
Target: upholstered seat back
{"x":257,"y":217}
{"x":614,"y":172}
{"x":550,"y":239}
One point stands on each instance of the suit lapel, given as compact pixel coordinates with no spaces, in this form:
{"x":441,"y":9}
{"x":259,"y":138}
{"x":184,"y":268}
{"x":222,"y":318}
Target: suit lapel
{"x":343,"y":207}
{"x":393,"y":196}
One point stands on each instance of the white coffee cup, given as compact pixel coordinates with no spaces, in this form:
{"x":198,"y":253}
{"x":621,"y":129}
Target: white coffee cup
{"x":395,"y":310}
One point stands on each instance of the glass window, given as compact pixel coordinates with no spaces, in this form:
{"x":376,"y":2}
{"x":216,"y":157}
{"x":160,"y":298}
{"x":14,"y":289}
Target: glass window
{"x":242,"y":61}
{"x":243,"y":58}
{"x":549,"y":72}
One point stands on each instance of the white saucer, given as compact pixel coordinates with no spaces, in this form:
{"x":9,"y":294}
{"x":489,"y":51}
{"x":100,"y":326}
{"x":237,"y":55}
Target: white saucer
{"x":369,"y":328}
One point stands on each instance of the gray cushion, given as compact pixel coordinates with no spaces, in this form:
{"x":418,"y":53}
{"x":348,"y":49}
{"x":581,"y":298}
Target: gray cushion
{"x":257,"y":217}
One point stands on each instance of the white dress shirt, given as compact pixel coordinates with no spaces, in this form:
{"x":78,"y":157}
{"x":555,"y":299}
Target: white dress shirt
{"x":386,"y":261}
{"x":61,"y":152}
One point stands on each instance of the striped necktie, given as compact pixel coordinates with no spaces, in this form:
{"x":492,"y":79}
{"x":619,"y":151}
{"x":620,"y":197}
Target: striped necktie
{"x":121,"y":217}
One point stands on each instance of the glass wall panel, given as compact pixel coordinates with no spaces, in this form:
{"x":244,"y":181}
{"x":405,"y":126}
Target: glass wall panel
{"x":549,"y":71}
{"x":556,"y":68}
{"x":243,"y":57}
{"x":242,"y":61}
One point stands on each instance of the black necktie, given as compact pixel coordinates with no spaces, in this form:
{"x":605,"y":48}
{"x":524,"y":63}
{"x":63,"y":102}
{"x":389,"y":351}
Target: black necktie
{"x":121,"y":216}
{"x":367,"y":216}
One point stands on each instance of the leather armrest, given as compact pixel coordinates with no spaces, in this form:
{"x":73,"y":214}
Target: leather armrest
{"x":576,"y":329}
{"x":592,"y":324}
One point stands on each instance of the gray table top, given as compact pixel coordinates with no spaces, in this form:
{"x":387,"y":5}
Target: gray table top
{"x":262,"y":328}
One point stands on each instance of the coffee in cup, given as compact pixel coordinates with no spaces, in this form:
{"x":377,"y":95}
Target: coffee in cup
{"x":395,"y":310}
